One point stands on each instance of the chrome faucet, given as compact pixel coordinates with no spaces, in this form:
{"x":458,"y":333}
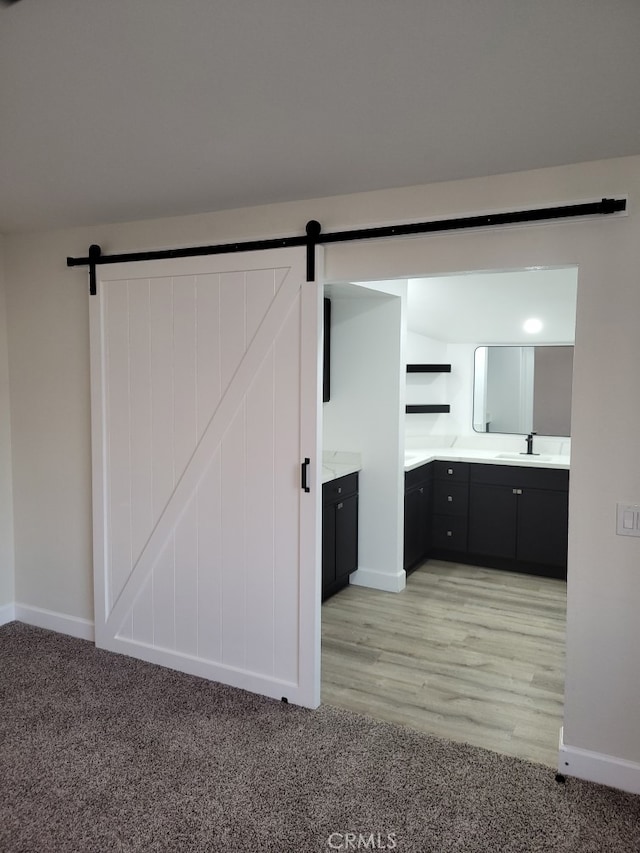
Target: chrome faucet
{"x":530,"y":445}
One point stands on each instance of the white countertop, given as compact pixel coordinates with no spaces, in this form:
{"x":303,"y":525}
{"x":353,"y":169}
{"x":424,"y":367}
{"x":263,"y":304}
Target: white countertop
{"x":337,"y":463}
{"x":415,"y":457}
{"x":332,"y":472}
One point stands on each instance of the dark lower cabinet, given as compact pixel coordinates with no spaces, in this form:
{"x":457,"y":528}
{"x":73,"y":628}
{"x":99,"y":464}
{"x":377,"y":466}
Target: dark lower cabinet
{"x":417,"y":516}
{"x":450,"y":506}
{"x":339,"y":533}
{"x":448,"y":533}
{"x":493,"y":520}
{"x":416,"y":526}
{"x":520,"y":515}
{"x":504,"y":516}
{"x":543,"y":526}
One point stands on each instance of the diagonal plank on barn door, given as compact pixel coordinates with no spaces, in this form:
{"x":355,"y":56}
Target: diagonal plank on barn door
{"x":204,"y":547}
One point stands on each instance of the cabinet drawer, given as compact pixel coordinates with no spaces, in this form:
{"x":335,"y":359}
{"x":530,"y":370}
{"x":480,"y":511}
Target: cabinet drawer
{"x":458,"y":471}
{"x":449,"y":532}
{"x":450,"y":498}
{"x":520,"y":476}
{"x":334,"y":490}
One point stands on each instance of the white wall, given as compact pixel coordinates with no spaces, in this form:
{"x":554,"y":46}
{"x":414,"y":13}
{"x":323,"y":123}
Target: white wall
{"x":421,"y":349}
{"x":426,"y":388}
{"x":49,"y":375}
{"x":47,"y":313}
{"x":365,"y":415}
{"x":460,"y":391}
{"x":6,"y":504}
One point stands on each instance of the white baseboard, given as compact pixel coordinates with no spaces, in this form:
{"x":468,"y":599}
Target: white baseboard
{"x":7,"y":613}
{"x":598,"y":767}
{"x":60,"y":622}
{"x":379,"y":580}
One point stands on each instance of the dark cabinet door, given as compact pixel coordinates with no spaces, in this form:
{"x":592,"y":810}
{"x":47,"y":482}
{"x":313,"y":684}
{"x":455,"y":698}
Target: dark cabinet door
{"x":416,"y":525}
{"x":328,"y":548}
{"x":493,"y":515}
{"x":339,"y":533}
{"x":543,"y":520}
{"x":346,"y":536}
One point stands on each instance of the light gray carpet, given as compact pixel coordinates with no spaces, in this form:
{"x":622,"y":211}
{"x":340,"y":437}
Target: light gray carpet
{"x":103,"y":753}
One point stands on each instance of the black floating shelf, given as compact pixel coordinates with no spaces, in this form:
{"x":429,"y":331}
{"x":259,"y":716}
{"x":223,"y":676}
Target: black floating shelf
{"x":428,"y":368}
{"x":431,"y":409}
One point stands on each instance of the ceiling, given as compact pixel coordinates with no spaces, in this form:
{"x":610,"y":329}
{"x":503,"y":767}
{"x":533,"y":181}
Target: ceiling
{"x":491,"y":308}
{"x":128,"y":110}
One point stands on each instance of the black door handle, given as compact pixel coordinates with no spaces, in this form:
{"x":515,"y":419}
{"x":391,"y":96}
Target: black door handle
{"x":305,"y":471}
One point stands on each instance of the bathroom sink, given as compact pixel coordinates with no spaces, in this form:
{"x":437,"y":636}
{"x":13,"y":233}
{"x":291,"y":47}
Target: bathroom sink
{"x":537,"y":457}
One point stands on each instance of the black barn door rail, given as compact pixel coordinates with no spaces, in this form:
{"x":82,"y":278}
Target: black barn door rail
{"x":314,"y":235}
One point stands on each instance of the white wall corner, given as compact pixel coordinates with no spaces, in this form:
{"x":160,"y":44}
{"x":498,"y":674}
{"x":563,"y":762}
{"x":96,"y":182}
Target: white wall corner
{"x":598,"y":767}
{"x":7,"y":613}
{"x":385,"y":581}
{"x":83,"y":629}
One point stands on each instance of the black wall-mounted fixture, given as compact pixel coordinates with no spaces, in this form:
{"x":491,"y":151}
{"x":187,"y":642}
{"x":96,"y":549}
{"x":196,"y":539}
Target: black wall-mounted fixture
{"x":428,"y":368}
{"x":428,"y":409}
{"x":326,"y":353}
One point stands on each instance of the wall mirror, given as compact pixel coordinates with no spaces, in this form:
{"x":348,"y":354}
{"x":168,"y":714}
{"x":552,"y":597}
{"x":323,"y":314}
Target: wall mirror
{"x":523,"y":389}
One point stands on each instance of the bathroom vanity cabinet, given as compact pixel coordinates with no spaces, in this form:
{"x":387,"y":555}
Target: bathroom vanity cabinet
{"x":339,"y":533}
{"x":502,"y":516}
{"x":417,"y":516}
{"x":520,"y":514}
{"x":450,"y":506}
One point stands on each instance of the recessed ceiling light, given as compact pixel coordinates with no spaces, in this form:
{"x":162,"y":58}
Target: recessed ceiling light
{"x":532,"y":325}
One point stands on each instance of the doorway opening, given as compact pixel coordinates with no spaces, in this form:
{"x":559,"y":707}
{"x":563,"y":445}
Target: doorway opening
{"x":466,"y":651}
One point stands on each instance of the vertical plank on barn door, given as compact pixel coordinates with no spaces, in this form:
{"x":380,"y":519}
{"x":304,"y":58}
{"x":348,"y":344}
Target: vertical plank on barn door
{"x":205,"y":389}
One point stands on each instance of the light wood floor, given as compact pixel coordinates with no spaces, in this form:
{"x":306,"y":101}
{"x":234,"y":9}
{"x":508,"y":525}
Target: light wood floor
{"x":465,"y":653}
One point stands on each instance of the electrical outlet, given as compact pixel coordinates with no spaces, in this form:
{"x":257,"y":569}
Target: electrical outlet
{"x":628,"y":519}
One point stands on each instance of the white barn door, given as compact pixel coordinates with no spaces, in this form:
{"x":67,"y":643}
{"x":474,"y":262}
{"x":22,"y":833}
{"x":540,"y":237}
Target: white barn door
{"x":205,"y":388}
